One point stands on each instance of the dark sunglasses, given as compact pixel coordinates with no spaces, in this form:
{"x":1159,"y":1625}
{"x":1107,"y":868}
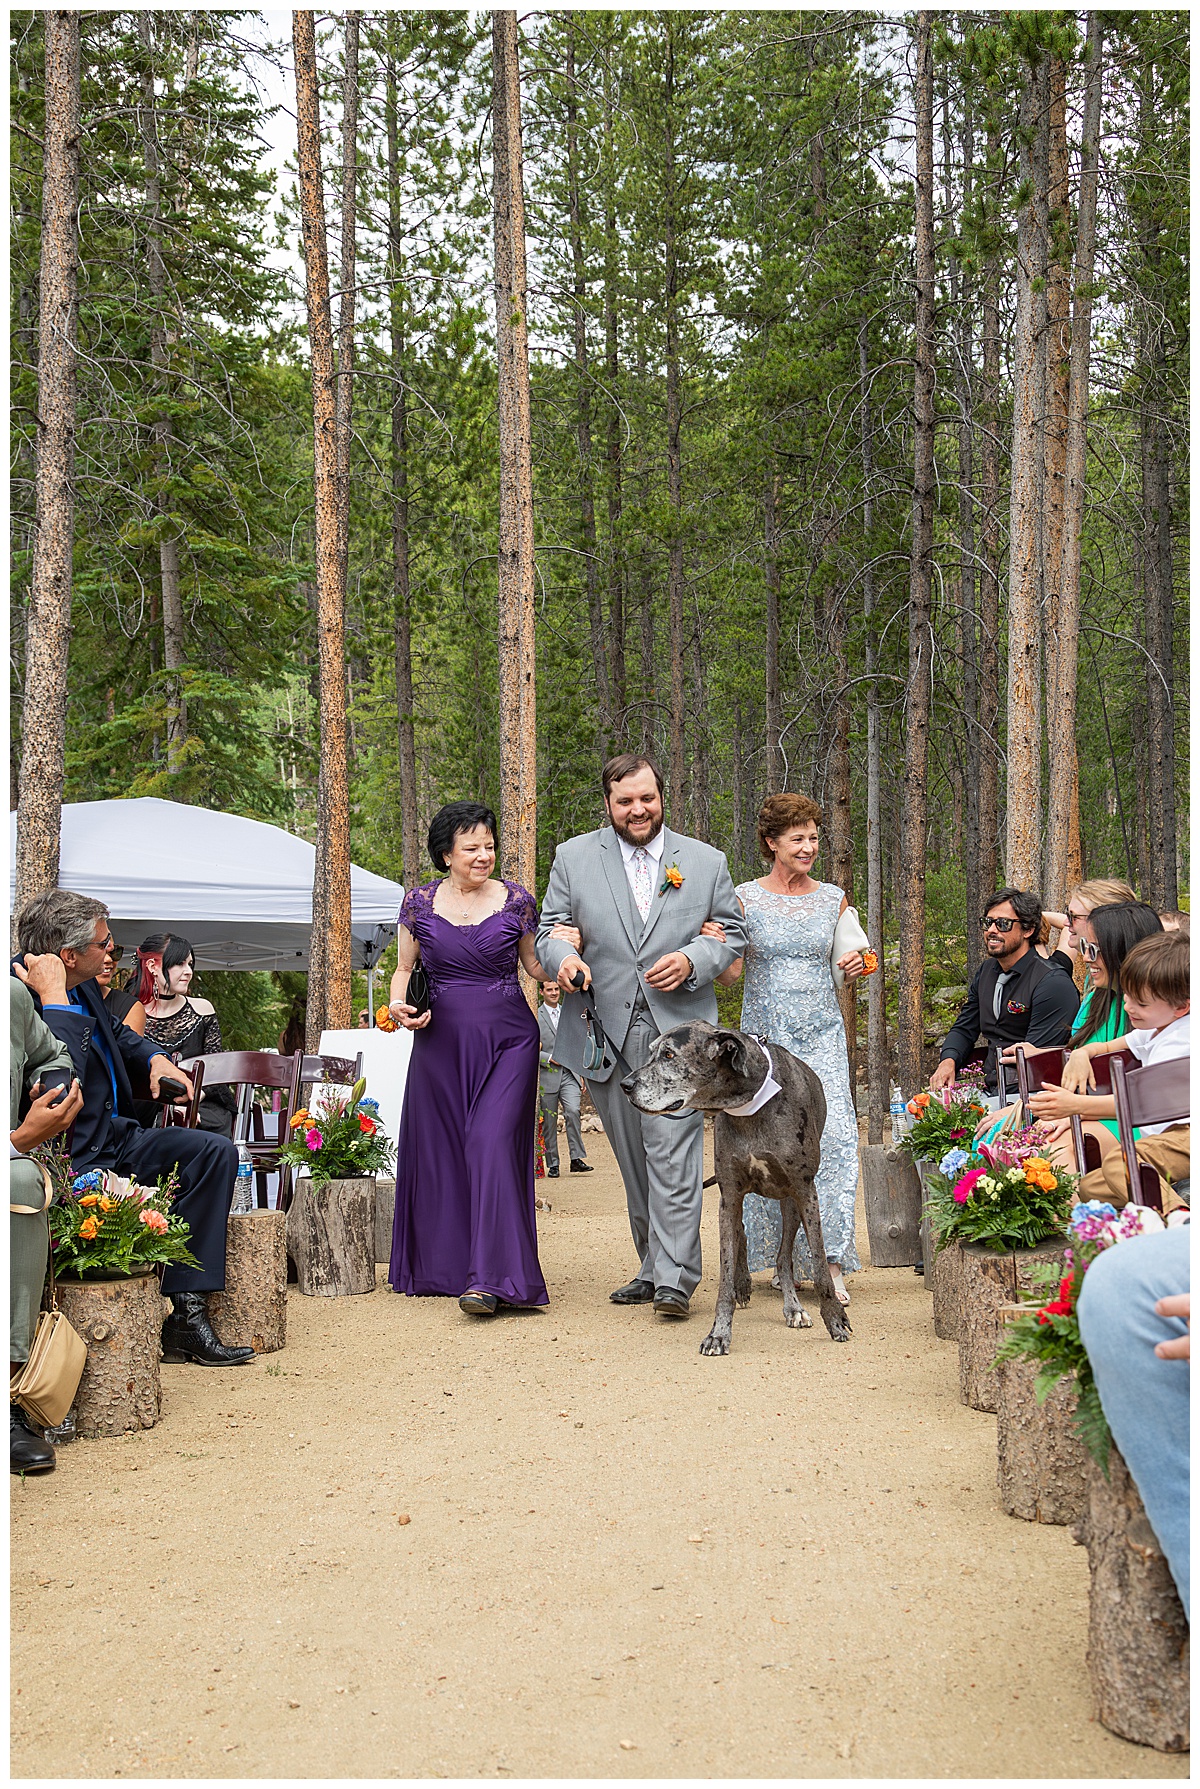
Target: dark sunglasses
{"x":1088,"y":951}
{"x":115,"y":951}
{"x":998,"y":925}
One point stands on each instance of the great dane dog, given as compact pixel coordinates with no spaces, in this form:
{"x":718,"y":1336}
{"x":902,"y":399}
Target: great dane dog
{"x":769,"y":1114}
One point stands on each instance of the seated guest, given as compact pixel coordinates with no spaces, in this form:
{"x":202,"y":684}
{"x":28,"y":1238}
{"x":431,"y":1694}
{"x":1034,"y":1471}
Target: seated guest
{"x":122,"y":1003}
{"x":1173,"y":920}
{"x":34,"y":1117}
{"x":63,"y":939}
{"x":182,"y":1026}
{"x":1015,"y":995}
{"x":1157,"y":984}
{"x":1133,"y":1316}
{"x":1100,"y":891}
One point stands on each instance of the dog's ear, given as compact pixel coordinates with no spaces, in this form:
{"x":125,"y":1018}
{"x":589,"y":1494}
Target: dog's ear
{"x":729,"y":1046}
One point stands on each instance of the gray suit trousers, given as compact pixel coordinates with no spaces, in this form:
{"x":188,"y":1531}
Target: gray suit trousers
{"x":662,"y":1164}
{"x":568,"y":1094}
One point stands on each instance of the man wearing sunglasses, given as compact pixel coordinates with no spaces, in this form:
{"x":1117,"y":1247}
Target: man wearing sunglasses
{"x":1016,"y":997}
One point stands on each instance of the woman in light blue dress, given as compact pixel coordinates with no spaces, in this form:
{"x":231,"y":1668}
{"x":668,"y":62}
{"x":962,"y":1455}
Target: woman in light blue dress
{"x":790,"y":1000}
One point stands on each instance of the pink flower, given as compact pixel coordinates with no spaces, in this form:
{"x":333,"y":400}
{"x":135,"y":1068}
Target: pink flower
{"x":153,"y":1220}
{"x":313,"y":1138}
{"x":966,"y":1185}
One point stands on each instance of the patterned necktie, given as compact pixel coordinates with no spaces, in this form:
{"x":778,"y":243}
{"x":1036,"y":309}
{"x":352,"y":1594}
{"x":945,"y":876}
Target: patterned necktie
{"x":641,"y":881}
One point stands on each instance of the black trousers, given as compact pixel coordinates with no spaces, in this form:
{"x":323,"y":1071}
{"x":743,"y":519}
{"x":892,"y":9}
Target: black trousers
{"x":207,"y":1171}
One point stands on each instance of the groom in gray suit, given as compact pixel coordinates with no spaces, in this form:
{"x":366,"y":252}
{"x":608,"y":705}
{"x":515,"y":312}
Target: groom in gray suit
{"x":638,"y":894}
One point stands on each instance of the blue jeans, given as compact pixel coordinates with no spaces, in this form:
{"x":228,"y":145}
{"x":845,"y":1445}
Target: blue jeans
{"x":1144,"y":1398}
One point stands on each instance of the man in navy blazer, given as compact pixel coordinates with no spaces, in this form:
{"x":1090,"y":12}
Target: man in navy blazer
{"x":63,"y":937}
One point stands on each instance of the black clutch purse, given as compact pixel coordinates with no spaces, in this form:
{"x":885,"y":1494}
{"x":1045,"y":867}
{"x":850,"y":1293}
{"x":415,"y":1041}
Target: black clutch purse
{"x":417,"y":993}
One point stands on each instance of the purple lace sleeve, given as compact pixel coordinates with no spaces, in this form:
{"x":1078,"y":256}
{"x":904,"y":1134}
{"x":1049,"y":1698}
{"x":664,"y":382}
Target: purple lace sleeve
{"x":416,"y":905}
{"x":525,"y":908}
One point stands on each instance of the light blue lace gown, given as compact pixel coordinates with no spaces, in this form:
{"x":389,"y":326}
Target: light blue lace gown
{"x":790,"y":1000}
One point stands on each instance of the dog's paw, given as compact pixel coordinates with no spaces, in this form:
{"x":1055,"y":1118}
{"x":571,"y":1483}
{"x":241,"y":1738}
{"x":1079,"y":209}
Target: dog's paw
{"x":798,"y":1319}
{"x":839,"y":1329}
{"x":742,"y":1295}
{"x":715,"y":1344}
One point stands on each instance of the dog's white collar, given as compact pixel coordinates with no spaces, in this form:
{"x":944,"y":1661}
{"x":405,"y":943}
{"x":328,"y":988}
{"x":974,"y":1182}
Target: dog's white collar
{"x":767,"y":1091}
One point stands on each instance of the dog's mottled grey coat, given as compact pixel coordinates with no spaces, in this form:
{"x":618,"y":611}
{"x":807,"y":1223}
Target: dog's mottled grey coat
{"x":775,"y":1152}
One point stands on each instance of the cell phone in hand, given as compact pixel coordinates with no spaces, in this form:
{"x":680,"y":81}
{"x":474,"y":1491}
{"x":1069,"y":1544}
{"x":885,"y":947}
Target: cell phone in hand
{"x":58,"y":1080}
{"x":169,"y":1090}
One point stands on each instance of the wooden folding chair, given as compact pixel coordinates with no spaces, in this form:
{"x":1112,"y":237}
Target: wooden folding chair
{"x":1037,"y":1069}
{"x":331,"y":1071}
{"x":1158,"y":1094}
{"x":1087,"y":1150}
{"x":246,"y":1070}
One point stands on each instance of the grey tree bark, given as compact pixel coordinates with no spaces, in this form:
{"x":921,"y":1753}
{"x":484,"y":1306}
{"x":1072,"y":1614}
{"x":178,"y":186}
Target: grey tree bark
{"x":771,"y":579}
{"x":48,"y":623}
{"x":677,"y":776}
{"x":401,"y":581}
{"x":877,"y":1048}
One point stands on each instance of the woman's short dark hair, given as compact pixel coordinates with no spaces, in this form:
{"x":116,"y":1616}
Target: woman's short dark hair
{"x":1118,"y":927}
{"x":1026,"y":906}
{"x":780,"y":813}
{"x":448,"y":822}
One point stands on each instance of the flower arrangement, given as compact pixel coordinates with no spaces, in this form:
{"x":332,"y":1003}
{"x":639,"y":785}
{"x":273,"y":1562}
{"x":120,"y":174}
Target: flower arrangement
{"x":342,"y":1141}
{"x":946,"y":1118}
{"x":1048,"y":1330}
{"x":105,"y":1227}
{"x":1007,"y":1194}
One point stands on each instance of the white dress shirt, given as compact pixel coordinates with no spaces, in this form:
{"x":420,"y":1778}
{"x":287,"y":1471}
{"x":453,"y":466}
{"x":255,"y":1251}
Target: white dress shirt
{"x":1167,"y":1045}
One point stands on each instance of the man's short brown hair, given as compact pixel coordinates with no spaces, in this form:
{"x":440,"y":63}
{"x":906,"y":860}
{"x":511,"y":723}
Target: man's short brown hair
{"x":618,"y":768}
{"x":1159,"y":968}
{"x":779,"y":813}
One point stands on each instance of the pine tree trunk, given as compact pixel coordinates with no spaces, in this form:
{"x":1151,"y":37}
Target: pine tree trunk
{"x":401,"y":590}
{"x":330,"y":959}
{"x":677,"y":790}
{"x":583,"y":410}
{"x":1023,"y":829}
{"x":48,"y":624}
{"x":616,"y":557}
{"x":877,"y":1050}
{"x":775,"y":772}
{"x":989,"y":587}
{"x":1063,"y":865}
{"x":344,"y":408}
{"x":910,"y":903}
{"x":963,"y":298}
{"x":839,"y":817}
{"x":168,"y":541}
{"x":518,"y":741}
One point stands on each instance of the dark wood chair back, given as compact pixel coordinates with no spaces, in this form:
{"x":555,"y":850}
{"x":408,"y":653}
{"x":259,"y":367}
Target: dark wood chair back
{"x":1159,"y":1094}
{"x":169,"y":1115}
{"x":246,"y":1070}
{"x":331,"y":1071}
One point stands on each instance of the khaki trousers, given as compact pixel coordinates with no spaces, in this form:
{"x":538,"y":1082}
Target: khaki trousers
{"x":1169,"y":1152}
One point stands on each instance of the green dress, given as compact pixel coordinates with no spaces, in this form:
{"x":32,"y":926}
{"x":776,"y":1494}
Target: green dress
{"x":1116,"y":1025}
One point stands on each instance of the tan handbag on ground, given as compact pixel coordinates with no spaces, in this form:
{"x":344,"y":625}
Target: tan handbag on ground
{"x":848,"y":935}
{"x":47,"y":1383}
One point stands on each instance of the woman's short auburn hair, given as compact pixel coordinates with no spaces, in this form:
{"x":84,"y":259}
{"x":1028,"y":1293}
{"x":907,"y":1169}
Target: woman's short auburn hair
{"x":779,"y":813}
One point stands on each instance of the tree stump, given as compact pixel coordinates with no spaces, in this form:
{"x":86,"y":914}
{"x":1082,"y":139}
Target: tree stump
{"x":121,"y":1322}
{"x":892,"y":1201}
{"x":945,"y":1277}
{"x":988,"y":1282}
{"x":1041,"y":1462}
{"x":1138,"y":1654}
{"x":252,"y":1310}
{"x":331,"y":1237}
{"x":385,"y":1211}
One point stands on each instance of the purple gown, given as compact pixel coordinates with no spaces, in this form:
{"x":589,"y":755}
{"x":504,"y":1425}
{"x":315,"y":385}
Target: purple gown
{"x":464,"y":1161}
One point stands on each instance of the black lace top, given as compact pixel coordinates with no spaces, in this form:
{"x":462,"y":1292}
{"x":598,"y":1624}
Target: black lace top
{"x":185,"y":1033}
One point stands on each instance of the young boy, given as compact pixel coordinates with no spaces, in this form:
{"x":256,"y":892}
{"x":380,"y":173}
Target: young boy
{"x":1155,"y":984}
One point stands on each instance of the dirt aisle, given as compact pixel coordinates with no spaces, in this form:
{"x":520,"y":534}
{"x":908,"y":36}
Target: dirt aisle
{"x":623,"y":1559}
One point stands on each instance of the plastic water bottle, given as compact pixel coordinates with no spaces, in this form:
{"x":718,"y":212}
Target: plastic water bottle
{"x":63,"y":1431}
{"x":243,"y":1191}
{"x":899,"y":1115}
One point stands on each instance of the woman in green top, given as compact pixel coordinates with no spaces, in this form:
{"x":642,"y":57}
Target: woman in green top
{"x":1105,"y":935}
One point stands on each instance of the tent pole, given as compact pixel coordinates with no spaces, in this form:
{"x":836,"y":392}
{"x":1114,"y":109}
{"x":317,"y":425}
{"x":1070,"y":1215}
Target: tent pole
{"x":371,"y":998}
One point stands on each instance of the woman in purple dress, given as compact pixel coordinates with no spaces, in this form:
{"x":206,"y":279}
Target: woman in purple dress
{"x":464,"y":1225}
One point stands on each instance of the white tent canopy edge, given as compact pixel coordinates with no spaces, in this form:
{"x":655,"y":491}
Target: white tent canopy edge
{"x":239,"y":890}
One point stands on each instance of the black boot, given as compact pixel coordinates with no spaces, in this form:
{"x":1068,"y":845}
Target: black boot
{"x":188,"y":1335}
{"x":27,"y":1452}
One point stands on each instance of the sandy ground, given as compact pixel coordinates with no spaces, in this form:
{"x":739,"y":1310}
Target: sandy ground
{"x":623,"y":1559}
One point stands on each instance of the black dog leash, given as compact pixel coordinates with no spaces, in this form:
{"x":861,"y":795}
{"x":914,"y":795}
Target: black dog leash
{"x":609,"y":1053}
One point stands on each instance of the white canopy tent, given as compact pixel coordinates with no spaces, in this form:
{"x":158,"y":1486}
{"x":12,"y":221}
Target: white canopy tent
{"x":238,"y":890}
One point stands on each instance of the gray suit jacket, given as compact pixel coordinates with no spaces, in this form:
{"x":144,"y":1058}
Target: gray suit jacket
{"x":551,"y":1072}
{"x":588,"y":888}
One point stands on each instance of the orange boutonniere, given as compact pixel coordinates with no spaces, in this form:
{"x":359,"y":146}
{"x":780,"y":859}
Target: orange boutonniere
{"x":384,"y":1020}
{"x":672,"y":878}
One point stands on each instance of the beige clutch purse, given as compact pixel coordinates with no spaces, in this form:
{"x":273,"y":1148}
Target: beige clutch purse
{"x":848,"y":935}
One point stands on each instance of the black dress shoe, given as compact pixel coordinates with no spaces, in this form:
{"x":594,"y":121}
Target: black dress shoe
{"x":187,"y":1334}
{"x":27,"y":1452}
{"x":581,"y":1168}
{"x":669,"y":1301}
{"x":551,"y":1173}
{"x":636,"y":1292}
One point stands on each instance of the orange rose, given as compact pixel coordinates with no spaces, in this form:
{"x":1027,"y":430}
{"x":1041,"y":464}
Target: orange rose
{"x":870,"y":962}
{"x":298,"y":1120}
{"x":88,"y":1228}
{"x":921,"y":1101}
{"x":384,"y":1020}
{"x":90,"y":1199}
